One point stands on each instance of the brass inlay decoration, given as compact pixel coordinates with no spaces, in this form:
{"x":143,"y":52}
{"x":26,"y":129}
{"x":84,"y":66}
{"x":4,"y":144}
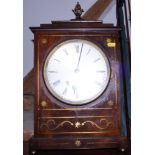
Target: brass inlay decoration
{"x":78,"y":34}
{"x":116,"y":95}
{"x":99,"y":142}
{"x":77,"y":125}
{"x":74,"y":117}
{"x":44,"y":41}
{"x":91,"y":132}
{"x":104,"y":124}
{"x":110,"y":103}
{"x":43,"y":103}
{"x":38,"y":79}
{"x":109,"y":40}
{"x":110,"y":43}
{"x":111,"y":75}
{"x":51,"y":124}
{"x":123,"y":149}
{"x":80,"y":109}
{"x":77,"y":143}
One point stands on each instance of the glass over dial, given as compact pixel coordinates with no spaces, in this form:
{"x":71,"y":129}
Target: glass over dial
{"x":76,"y":71}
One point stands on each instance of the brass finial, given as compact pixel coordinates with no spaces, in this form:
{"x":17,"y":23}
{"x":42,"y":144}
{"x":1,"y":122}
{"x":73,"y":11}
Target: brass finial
{"x":78,"y":11}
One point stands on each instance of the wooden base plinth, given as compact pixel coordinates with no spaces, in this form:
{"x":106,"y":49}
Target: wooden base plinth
{"x":67,"y":143}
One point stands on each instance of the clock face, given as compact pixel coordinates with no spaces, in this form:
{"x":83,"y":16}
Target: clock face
{"x":76,"y":71}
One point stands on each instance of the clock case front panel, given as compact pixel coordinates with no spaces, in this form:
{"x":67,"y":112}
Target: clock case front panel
{"x":94,"y":125}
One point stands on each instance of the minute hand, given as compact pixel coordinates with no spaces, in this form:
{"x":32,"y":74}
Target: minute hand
{"x":79,"y":57}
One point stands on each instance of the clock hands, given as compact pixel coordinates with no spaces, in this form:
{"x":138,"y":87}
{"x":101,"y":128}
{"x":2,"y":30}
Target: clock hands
{"x":77,"y":67}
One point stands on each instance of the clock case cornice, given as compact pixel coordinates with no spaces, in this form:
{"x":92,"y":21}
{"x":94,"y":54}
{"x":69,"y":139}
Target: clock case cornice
{"x":75,"y":25}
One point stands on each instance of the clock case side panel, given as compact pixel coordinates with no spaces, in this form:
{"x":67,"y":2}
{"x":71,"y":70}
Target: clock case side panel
{"x":36,"y":83}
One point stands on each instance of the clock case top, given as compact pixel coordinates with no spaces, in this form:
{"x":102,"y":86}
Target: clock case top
{"x":92,"y":123}
{"x":75,"y":25}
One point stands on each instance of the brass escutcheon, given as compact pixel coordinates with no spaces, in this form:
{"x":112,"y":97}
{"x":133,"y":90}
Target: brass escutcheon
{"x":110,"y":103}
{"x":43,"y":103}
{"x":77,"y":143}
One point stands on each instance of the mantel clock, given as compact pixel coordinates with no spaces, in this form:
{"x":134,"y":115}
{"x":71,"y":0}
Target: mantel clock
{"x":77,"y":85}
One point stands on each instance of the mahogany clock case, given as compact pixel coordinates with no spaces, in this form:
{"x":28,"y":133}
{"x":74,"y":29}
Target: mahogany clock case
{"x":90,"y":126}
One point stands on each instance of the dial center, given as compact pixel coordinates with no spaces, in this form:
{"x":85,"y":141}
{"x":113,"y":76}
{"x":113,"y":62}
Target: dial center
{"x":76,"y":70}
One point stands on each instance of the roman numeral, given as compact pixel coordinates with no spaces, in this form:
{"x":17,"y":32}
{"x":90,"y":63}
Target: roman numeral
{"x":56,"y":82}
{"x":96,"y":60}
{"x":100,"y":71}
{"x":52,"y":71}
{"x":97,"y":83}
{"x":75,"y":91}
{"x":57,"y":60}
{"x":66,"y":52}
{"x":88,"y":51}
{"x":64,"y":92}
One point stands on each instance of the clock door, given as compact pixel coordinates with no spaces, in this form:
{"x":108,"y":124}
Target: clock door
{"x":76,"y":72}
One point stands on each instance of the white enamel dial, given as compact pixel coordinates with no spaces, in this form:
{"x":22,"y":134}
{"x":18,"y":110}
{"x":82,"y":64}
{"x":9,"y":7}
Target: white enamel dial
{"x":76,"y":71}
